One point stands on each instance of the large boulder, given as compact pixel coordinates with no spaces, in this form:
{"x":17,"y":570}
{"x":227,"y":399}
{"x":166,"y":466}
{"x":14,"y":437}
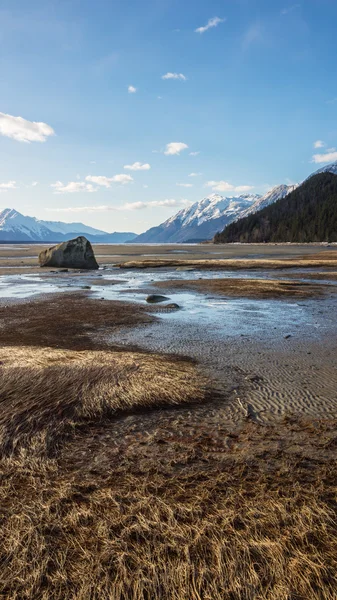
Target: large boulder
{"x":74,"y":254}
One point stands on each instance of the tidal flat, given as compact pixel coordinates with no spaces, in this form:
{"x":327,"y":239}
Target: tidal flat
{"x":156,"y":453}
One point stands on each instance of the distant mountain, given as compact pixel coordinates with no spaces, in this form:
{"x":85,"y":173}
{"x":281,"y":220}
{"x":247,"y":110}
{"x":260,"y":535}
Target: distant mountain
{"x":199,"y":221}
{"x":15,"y":227}
{"x":307,"y":214}
{"x":204,"y":219}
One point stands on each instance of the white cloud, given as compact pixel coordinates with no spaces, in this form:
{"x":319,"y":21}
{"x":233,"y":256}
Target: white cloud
{"x":127,"y":206}
{"x":180,"y":76}
{"x":214,"y":22}
{"x":145,"y":186}
{"x":10,"y":185}
{"x":290,"y":9}
{"x":72,"y":187}
{"x":123,"y":179}
{"x":22,"y":130}
{"x":175,"y":148}
{"x":35,"y":183}
{"x":153,"y":203}
{"x":325,"y":158}
{"x":224,"y":186}
{"x":319,"y":144}
{"x":137,"y":166}
{"x":194,"y":153}
{"x":131,"y":89}
{"x":243,"y":188}
{"x":331,"y":101}
{"x":194,"y":174}
{"x":185,"y":185}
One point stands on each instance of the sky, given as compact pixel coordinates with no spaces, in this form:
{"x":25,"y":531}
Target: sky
{"x":118,"y":113}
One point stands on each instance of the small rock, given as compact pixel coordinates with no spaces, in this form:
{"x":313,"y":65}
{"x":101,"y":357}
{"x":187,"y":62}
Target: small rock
{"x":155,"y":298}
{"x":172,"y":306}
{"x":64,"y":271}
{"x":85,"y":287}
{"x":286,"y":337}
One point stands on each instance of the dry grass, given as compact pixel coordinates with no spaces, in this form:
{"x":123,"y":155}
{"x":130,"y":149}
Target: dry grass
{"x":229,"y":263}
{"x":250,"y":288}
{"x":94,"y":504}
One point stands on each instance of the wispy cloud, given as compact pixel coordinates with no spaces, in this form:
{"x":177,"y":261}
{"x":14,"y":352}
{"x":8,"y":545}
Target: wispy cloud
{"x":127,"y":206}
{"x":319,"y":144}
{"x":331,"y":101}
{"x":252,"y":35}
{"x":185,"y":185}
{"x":72,"y":187}
{"x":174,"y":148}
{"x":22,"y":130}
{"x":195,"y":174}
{"x":290,"y":9}
{"x":10,"y":185}
{"x":224,"y":186}
{"x":132,"y":89}
{"x":180,"y":76}
{"x":214,"y":22}
{"x":327,"y":157}
{"x":101,"y":180}
{"x":194,"y":153}
{"x":35,"y":183}
{"x":137,"y":166}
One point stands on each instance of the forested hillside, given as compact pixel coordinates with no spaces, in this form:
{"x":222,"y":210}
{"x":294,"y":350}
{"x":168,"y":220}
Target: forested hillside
{"x":308,"y":214}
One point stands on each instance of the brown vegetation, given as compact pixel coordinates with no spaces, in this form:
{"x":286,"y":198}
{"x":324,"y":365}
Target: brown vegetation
{"x":229,"y":264}
{"x":67,"y":321}
{"x":96,"y":505}
{"x":249,"y":288}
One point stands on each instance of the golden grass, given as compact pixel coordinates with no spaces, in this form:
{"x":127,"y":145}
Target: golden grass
{"x":94,"y":504}
{"x":250,"y":288}
{"x":56,"y":390}
{"x":229,"y":263}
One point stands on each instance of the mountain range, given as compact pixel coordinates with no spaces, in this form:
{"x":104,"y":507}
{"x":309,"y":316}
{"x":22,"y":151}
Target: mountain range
{"x":307,"y":214}
{"x":204,"y":219}
{"x":199,"y":222}
{"x":15,"y":227}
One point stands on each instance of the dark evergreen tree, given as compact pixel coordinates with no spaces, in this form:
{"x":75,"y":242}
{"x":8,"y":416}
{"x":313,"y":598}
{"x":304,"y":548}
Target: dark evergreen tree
{"x":308,"y":214}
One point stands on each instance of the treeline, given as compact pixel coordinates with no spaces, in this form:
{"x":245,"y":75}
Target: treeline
{"x":308,"y":214}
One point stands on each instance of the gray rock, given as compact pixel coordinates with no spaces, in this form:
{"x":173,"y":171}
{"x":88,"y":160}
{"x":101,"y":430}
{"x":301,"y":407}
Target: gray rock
{"x":172,"y":306}
{"x":155,"y":298}
{"x":74,"y":254}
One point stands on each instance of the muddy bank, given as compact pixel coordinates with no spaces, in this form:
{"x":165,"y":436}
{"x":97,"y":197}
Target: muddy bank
{"x":250,"y":288}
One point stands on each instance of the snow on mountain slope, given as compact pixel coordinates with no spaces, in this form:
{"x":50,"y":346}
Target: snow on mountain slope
{"x":275,"y":194}
{"x":331,"y":168}
{"x":200,"y":221}
{"x":212,"y":207}
{"x":16,"y":227}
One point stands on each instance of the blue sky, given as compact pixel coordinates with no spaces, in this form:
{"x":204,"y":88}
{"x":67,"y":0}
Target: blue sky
{"x":105,"y":139}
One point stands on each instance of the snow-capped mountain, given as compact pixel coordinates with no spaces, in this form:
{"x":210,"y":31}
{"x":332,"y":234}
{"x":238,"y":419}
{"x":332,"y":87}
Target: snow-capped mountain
{"x":204,"y":219}
{"x":18,"y":228}
{"x":278,"y":192}
{"x":331,"y":168}
{"x":200,"y":221}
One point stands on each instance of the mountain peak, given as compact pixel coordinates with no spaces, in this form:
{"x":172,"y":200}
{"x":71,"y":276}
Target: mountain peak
{"x":14,"y":226}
